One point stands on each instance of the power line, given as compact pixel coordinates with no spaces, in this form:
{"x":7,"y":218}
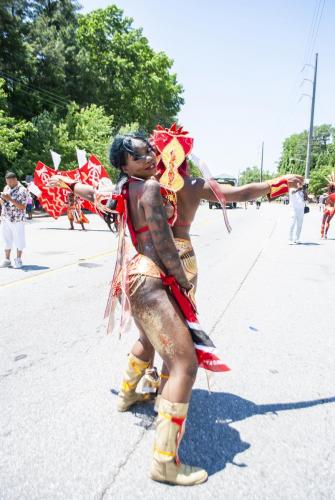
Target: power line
{"x":57,"y":101}
{"x":316,"y":32}
{"x":309,"y":47}
{"x":312,"y":30}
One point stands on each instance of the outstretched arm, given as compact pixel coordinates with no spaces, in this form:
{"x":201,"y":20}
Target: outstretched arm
{"x":83,"y":190}
{"x":161,"y":234}
{"x":248,"y":191}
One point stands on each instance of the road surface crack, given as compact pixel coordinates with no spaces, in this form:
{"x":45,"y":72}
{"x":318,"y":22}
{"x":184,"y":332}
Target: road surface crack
{"x":124,"y":463}
{"x":244,"y":279}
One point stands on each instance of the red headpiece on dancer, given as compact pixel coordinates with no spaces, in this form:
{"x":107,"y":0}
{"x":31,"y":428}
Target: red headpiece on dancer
{"x":173,"y":145}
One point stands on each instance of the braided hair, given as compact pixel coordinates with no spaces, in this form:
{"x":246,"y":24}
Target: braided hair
{"x":121,"y":146}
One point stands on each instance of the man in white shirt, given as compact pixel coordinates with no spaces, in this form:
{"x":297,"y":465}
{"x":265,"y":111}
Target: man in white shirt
{"x":13,"y":200}
{"x":297,"y":199}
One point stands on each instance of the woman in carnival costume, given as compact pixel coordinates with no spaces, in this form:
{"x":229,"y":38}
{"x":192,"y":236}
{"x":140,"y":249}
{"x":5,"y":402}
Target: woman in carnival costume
{"x":75,"y":213}
{"x":329,"y":209}
{"x":172,"y":147}
{"x":157,"y":284}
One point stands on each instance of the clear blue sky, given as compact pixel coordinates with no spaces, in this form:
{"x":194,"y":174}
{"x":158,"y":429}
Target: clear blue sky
{"x":240,"y":63}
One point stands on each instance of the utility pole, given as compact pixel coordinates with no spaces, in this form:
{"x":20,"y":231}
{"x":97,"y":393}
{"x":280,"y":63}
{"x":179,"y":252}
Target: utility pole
{"x":311,"y":123}
{"x":261,"y":179}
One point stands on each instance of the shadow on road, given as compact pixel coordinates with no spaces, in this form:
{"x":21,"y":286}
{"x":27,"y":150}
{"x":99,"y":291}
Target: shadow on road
{"x":210,"y":442}
{"x":34,"y":267}
{"x":309,"y":244}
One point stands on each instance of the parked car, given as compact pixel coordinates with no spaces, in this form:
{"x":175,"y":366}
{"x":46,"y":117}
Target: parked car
{"x":228,"y":181}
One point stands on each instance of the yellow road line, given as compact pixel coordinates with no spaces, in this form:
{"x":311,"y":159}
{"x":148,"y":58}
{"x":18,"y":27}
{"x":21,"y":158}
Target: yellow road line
{"x":29,"y":279}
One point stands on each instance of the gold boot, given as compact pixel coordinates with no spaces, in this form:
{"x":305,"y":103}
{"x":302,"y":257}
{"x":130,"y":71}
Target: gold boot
{"x":166,"y":467}
{"x":127,"y":395}
{"x":151,"y":381}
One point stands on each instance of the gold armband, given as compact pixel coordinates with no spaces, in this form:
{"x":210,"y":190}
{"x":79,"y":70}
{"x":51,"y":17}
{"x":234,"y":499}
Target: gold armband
{"x":278,"y":187}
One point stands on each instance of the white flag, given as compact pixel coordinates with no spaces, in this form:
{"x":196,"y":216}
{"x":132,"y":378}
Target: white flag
{"x":34,"y":189}
{"x":81,"y":156}
{"x":56,"y":158}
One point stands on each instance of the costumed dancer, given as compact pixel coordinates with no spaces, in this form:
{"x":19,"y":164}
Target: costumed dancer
{"x":176,"y":144}
{"x":155,"y":285}
{"x":75,"y":213}
{"x":329,"y":203}
{"x":160,"y":322}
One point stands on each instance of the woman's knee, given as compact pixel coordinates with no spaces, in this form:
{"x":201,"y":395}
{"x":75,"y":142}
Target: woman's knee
{"x":147,"y":346}
{"x":187,"y":367}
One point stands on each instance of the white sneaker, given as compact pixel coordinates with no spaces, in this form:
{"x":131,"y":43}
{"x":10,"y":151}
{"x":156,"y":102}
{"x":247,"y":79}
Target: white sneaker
{"x":297,"y":242}
{"x":5,"y":263}
{"x":291,"y":242}
{"x":17,"y":263}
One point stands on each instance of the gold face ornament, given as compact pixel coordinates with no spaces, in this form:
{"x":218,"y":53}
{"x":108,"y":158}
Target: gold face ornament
{"x":173,"y":146}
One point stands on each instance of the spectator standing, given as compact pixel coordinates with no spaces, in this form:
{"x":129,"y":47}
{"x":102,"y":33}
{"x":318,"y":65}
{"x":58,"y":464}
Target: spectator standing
{"x":297,"y":199}
{"x":13,"y":200}
{"x":322,"y":199}
{"x":30,"y":206}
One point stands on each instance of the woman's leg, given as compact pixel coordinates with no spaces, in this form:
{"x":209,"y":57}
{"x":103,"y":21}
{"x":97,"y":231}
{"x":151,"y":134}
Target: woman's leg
{"x":324,"y":219}
{"x":161,"y":320}
{"x":142,"y":347}
{"x":159,"y":317}
{"x":300,"y":221}
{"x":139,"y":360}
{"x":292,"y":226}
{"x":329,"y":218}
{"x":193,"y":277}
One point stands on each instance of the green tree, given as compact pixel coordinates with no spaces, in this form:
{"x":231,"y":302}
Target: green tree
{"x":40,"y":62}
{"x":12,"y":132}
{"x":38,"y":142}
{"x":83,"y":128}
{"x":51,"y":56}
{"x":194,"y":170}
{"x":318,"y":182}
{"x":86,"y":128}
{"x":253,"y":174}
{"x":123,"y":73}
{"x":13,"y":15}
{"x":293,"y":156}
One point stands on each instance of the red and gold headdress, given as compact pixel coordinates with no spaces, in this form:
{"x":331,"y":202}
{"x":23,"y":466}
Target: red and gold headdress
{"x":173,"y":145}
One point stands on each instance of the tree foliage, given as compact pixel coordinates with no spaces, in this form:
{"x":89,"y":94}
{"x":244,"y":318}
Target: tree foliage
{"x":12,"y":132}
{"x":253,"y":174}
{"x":318,"y":182}
{"x":194,"y":170}
{"x":126,"y":76}
{"x":293,"y":156}
{"x":73,"y":80}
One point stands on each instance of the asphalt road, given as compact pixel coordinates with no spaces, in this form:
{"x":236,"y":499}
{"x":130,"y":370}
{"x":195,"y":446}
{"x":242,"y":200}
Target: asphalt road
{"x":265,"y":431}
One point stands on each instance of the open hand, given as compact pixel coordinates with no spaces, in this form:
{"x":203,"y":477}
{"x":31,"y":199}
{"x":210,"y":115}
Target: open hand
{"x":59,"y":181}
{"x":294,"y":180}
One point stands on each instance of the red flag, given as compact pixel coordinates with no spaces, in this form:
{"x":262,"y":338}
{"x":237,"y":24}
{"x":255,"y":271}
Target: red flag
{"x":54,"y":200}
{"x":91,"y":173}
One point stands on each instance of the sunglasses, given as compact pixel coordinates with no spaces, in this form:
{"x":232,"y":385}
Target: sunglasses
{"x":149,"y":152}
